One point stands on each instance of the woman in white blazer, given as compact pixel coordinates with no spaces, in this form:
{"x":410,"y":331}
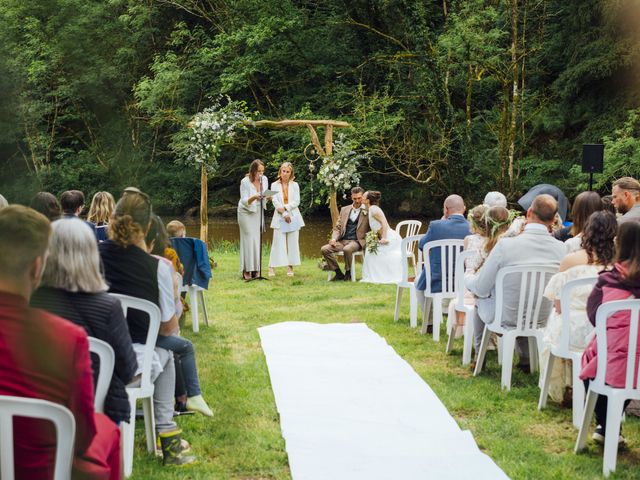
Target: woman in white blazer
{"x":286,"y":222}
{"x":250,"y":211}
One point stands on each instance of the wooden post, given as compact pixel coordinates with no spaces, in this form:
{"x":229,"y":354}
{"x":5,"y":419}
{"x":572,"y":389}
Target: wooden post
{"x":328,"y":149}
{"x":204,"y":216}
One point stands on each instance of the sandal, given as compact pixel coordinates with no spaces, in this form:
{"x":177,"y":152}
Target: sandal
{"x":290,"y":272}
{"x":271,"y":272}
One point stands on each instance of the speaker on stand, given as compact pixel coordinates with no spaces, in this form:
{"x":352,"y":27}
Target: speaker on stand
{"x":592,"y":160}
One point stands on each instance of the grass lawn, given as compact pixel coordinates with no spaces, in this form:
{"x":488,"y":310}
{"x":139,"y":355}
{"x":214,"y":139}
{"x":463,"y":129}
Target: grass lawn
{"x":243,"y":440}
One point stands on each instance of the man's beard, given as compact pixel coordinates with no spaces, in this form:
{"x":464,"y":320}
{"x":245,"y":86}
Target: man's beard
{"x":622,"y":209}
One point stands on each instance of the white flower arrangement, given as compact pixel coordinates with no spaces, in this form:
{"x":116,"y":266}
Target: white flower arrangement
{"x":211,"y":129}
{"x":340,"y":171}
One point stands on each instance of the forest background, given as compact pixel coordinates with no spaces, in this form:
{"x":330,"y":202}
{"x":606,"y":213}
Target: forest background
{"x":444,"y":96}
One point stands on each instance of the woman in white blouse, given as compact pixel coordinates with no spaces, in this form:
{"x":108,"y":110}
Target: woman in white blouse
{"x":250,"y":213}
{"x":286,"y":222}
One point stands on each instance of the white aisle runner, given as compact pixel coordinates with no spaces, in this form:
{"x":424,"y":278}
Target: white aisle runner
{"x":350,"y":408}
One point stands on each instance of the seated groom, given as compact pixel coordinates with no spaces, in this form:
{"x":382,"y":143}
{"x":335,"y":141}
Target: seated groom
{"x":46,"y":357}
{"x":535,"y":245}
{"x":348,"y":235}
{"x":453,"y":226}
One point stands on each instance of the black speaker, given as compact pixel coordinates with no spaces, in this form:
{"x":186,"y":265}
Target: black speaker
{"x":592,"y":158}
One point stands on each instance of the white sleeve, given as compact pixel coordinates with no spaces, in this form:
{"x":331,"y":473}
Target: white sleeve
{"x":276,"y":198}
{"x":165,"y":290}
{"x":294,"y":196}
{"x":245,"y":192}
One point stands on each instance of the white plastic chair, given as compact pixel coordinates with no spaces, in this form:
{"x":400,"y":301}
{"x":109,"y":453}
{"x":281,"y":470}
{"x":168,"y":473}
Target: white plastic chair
{"x":406,"y":244}
{"x":562,"y":350}
{"x":352,"y":267}
{"x":142,"y":390}
{"x":449,"y":249}
{"x":533,"y":280}
{"x":196,"y":301}
{"x":615,"y":396}
{"x":461,"y":307}
{"x":57,"y":414}
{"x":107,"y":362}
{"x":411,"y":227}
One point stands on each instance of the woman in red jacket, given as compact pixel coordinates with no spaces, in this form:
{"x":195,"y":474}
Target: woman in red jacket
{"x":620,"y":283}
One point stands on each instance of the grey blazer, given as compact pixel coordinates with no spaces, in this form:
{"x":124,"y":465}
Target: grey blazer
{"x":531,"y":247}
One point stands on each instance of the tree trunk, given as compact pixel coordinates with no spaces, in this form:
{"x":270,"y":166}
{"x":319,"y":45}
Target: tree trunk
{"x":333,"y":195}
{"x":204,"y":216}
{"x":513,"y":127}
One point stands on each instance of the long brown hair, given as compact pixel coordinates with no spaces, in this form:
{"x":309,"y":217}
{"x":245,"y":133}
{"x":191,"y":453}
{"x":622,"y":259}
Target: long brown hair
{"x":628,"y":250}
{"x":583,"y":206}
{"x":130,"y":219}
{"x":253,"y":169}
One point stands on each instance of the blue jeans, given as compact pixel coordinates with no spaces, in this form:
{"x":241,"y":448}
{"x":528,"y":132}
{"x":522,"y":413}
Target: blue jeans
{"x":183,"y":348}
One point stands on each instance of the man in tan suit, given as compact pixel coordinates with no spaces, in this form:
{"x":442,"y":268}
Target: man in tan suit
{"x":348,"y":235}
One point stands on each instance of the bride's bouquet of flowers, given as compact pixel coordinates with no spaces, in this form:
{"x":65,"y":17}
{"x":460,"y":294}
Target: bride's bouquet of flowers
{"x":371,"y":242}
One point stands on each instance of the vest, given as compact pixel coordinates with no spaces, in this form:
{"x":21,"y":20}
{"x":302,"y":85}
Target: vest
{"x":132,"y":271}
{"x":350,"y":229}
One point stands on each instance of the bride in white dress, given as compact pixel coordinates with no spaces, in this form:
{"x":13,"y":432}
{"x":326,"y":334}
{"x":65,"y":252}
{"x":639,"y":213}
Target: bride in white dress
{"x":384,"y":266}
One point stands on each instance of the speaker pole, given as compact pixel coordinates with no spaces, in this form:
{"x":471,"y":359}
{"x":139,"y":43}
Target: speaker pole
{"x":590,"y":181}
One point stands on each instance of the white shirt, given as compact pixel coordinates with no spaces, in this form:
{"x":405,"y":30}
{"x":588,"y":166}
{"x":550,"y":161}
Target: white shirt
{"x":353,"y":215}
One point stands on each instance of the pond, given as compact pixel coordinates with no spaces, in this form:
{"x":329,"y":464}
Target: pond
{"x":313,"y":235}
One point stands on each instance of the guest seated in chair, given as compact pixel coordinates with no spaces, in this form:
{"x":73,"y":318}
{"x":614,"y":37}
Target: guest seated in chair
{"x":622,"y":282}
{"x":597,"y":253}
{"x":73,"y":288}
{"x":44,"y":356}
{"x":348,"y":235}
{"x":452,"y":226}
{"x":535,"y":245}
{"x":130,"y":270}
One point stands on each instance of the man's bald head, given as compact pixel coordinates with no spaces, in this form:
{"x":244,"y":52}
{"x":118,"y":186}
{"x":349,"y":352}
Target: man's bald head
{"x":543,"y":209}
{"x":453,"y":204}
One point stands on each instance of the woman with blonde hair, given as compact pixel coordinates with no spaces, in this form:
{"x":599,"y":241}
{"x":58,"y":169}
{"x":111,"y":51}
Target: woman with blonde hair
{"x":102,"y":206}
{"x":286,"y":222}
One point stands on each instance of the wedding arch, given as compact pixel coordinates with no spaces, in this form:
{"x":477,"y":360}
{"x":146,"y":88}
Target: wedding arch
{"x":216,"y":126}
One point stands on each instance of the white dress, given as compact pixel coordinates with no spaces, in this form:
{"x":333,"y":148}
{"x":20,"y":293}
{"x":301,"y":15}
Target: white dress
{"x":581,"y":328}
{"x":384,"y":266}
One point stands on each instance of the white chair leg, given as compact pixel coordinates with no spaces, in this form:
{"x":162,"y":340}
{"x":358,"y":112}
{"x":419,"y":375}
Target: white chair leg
{"x":499,"y":347}
{"x":149,"y":423}
{"x":205,"y":316}
{"x":468,"y":340}
{"x":426,"y":312}
{"x":452,"y":336}
{"x":193,"y":301}
{"x":578,"y":394}
{"x":508,"y":347}
{"x":353,"y":268}
{"x":614,"y":417}
{"x":587,"y":414}
{"x":396,"y":313}
{"x":546,"y":377}
{"x":533,"y":354}
{"x":482,"y":352}
{"x":128,"y":431}
{"x":328,"y":276}
{"x":437,"y":318}
{"x":413,"y":308}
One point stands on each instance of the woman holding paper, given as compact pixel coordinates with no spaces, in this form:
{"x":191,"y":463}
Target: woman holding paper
{"x":251,"y":205}
{"x":286,"y":222}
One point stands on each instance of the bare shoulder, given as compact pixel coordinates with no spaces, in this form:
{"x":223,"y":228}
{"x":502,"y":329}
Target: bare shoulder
{"x":573,"y":259}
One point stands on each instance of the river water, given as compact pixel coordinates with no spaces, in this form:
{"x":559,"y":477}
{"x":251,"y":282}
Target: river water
{"x":313,"y":235}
